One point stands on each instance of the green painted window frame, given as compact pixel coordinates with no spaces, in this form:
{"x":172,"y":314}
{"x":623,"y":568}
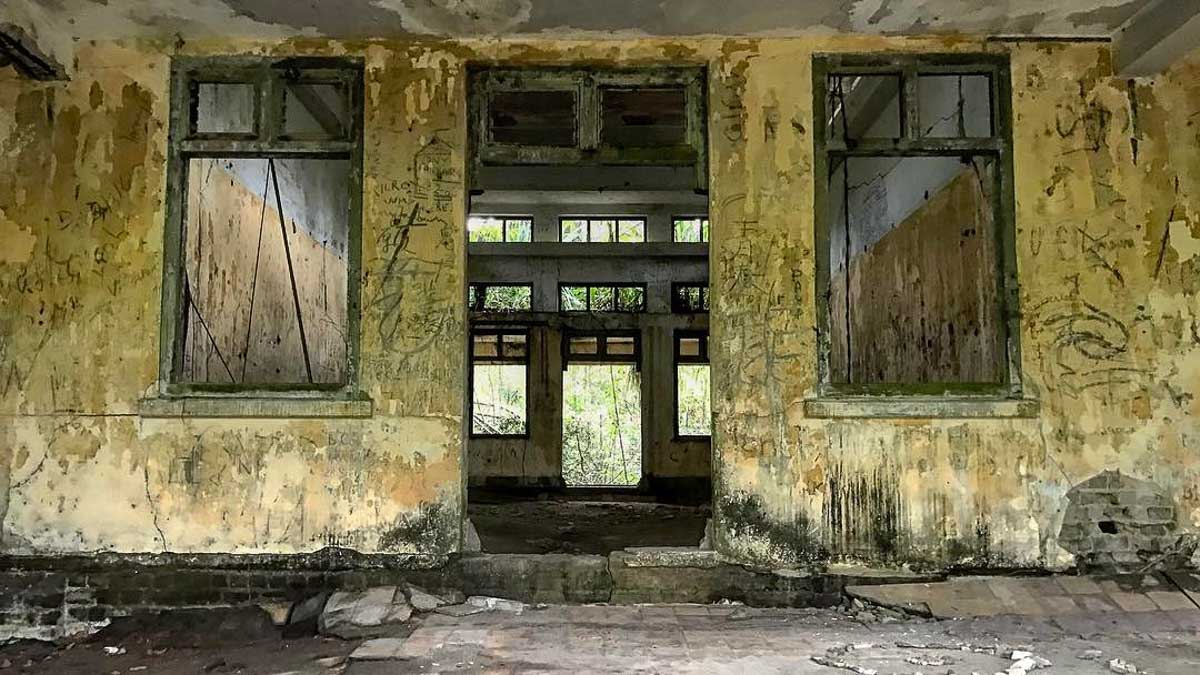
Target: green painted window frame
{"x":998,"y":147}
{"x":268,"y":75}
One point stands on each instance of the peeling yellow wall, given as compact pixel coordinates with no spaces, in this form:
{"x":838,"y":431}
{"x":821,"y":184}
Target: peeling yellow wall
{"x":1109,"y":334}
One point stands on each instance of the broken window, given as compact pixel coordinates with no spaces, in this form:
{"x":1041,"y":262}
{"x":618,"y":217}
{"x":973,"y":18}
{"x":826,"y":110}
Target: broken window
{"x":693,"y":388}
{"x":603,"y":230}
{"x":500,"y":297}
{"x":499,"y":382}
{"x":914,"y":207}
{"x":643,"y":117}
{"x":602,"y":298}
{"x":690,"y":230}
{"x":532,"y":117}
{"x":689,"y":298}
{"x":499,"y":229}
{"x":263,"y":224}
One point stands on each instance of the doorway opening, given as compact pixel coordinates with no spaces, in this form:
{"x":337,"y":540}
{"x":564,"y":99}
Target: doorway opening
{"x":588,"y":237}
{"x":602,"y":425}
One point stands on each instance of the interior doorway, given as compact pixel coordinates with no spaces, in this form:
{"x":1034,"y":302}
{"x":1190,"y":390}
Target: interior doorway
{"x":602,"y":425}
{"x":587,"y":266}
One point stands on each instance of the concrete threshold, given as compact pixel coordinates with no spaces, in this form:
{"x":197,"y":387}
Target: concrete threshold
{"x":661,"y":575}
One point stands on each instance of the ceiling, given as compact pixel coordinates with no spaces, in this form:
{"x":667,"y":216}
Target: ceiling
{"x":190,"y":19}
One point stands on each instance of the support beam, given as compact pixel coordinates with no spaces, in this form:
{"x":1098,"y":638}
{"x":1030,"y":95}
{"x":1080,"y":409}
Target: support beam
{"x":19,"y":50}
{"x":1156,"y":37}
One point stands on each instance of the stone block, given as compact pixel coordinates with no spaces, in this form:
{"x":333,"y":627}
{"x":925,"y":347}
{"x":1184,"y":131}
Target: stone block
{"x":373,"y":612}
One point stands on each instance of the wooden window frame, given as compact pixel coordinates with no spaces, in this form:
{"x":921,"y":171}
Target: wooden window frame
{"x":997,"y":147}
{"x":268,"y":141}
{"x":499,"y":359}
{"x":615,"y":286}
{"x":480,"y":298}
{"x":678,"y":360}
{"x":591,"y":219}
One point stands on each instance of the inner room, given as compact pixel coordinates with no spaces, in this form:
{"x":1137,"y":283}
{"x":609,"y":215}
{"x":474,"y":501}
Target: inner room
{"x":588,"y":231}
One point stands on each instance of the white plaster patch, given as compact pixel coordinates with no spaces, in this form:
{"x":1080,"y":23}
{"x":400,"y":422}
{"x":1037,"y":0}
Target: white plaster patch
{"x":1182,"y":241}
{"x":18,"y":242}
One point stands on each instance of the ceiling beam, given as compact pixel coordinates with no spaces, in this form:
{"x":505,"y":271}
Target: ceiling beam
{"x":19,"y":50}
{"x":1156,"y":37}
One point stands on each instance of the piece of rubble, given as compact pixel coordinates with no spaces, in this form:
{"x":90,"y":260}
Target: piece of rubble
{"x":329,"y":661}
{"x":278,"y":611}
{"x":844,"y":665}
{"x":369,"y":613}
{"x":1123,"y":667}
{"x":929,"y":660}
{"x":460,"y":610}
{"x":1090,"y":655}
{"x":305,"y":616}
{"x":490,"y":603}
{"x":422,"y":600}
{"x":379,"y":649}
{"x":471,"y":542}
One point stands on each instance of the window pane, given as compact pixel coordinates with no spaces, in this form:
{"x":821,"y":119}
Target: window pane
{"x":690,"y":346}
{"x":602,"y":230}
{"x":585,"y":345}
{"x":223,"y":108}
{"x":240,"y":320}
{"x":573,"y":298}
{"x":498,"y":399}
{"x":485,"y":228}
{"x":693,"y":400}
{"x":519,"y":230}
{"x":533,"y":118}
{"x":644,"y":117}
{"x":631,"y":231}
{"x":574,"y":231}
{"x":621,"y":345}
{"x":631,"y":299}
{"x":316,"y":110}
{"x":507,"y":298}
{"x":955,"y":106}
{"x":915,"y":294}
{"x":863,"y":106}
{"x":484,"y":346}
{"x":601,"y":299}
{"x":513,"y":345}
{"x":693,"y":230}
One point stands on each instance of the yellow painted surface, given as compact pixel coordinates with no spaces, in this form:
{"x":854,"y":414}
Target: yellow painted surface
{"x":1109,"y":319}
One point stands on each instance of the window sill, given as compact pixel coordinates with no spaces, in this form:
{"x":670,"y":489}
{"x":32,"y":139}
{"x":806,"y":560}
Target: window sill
{"x":235,"y":407}
{"x":920,"y":408}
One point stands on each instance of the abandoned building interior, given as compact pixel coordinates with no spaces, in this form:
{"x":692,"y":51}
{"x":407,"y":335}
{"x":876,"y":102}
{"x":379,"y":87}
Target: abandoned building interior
{"x":913,"y":287}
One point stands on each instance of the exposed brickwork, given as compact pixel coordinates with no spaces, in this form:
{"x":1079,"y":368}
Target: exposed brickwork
{"x":1119,"y":523}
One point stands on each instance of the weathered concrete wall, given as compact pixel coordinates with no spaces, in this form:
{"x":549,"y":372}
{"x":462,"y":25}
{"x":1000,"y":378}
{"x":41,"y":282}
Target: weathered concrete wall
{"x":1106,"y":197}
{"x":82,"y":221}
{"x":1108,"y":339}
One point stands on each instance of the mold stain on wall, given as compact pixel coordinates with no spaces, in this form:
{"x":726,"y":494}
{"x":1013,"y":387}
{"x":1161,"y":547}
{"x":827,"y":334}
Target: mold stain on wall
{"x":1108,"y":294}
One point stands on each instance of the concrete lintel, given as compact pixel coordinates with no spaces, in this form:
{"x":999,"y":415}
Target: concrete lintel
{"x":919,"y":408}
{"x":240,"y":407}
{"x":1156,"y":37}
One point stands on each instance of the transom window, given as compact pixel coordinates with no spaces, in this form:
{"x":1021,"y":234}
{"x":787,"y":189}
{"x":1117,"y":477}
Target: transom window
{"x":500,"y":297}
{"x":618,"y":347}
{"x":609,"y":229}
{"x":263,"y":225}
{"x":500,"y":229}
{"x":915,"y":254}
{"x":602,"y":298}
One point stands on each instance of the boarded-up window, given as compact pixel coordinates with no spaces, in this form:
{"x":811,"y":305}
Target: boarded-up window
{"x":913,"y":208}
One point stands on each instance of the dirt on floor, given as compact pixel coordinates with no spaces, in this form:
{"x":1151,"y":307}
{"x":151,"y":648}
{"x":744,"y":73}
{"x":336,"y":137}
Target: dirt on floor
{"x":219,"y":642}
{"x":591,"y":527}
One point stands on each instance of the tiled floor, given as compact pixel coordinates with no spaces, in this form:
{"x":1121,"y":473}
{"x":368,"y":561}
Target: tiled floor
{"x":1057,"y":596}
{"x":730,"y":639}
